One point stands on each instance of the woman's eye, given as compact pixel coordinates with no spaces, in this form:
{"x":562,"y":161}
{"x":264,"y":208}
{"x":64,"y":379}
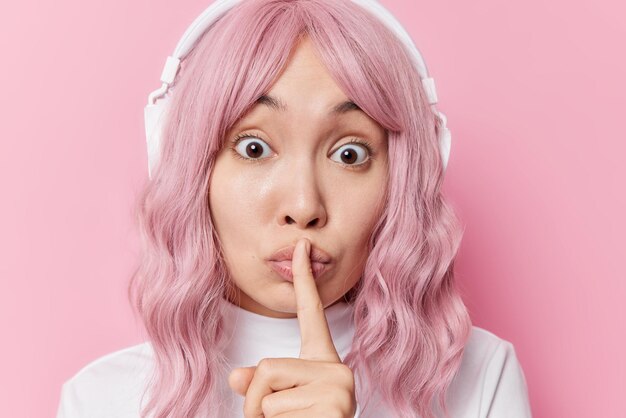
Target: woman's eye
{"x":251,"y":148}
{"x":352,"y":154}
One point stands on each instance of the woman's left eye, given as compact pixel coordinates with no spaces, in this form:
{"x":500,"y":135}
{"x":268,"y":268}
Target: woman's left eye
{"x":354,"y":153}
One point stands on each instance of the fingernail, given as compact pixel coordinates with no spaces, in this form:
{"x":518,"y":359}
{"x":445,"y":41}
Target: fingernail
{"x":307,"y":246}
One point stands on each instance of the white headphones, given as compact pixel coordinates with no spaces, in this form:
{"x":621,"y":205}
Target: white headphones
{"x":154,"y":111}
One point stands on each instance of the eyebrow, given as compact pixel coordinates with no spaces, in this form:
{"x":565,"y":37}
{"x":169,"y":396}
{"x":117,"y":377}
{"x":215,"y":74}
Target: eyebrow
{"x":277,"y":104}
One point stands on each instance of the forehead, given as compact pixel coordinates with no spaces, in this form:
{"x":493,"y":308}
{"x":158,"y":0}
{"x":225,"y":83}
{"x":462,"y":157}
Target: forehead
{"x":305,"y":90}
{"x":277,"y":104}
{"x":323,"y":113}
{"x":306,"y":84}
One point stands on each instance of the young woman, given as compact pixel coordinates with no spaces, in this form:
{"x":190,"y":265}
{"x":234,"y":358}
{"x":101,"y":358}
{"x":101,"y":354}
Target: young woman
{"x":298,"y":252}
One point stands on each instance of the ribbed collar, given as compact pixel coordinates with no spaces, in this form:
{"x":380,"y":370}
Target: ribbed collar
{"x":257,"y":336}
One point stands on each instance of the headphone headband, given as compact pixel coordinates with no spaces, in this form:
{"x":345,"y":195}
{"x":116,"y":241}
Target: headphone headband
{"x":154,"y":110}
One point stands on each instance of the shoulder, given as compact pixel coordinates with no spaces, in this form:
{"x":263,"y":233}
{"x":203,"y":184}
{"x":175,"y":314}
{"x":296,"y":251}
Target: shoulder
{"x":490,"y":378}
{"x":111,"y":385}
{"x":483,"y":345}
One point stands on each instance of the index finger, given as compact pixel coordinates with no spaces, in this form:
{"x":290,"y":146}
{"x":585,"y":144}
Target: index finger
{"x":317,"y":342}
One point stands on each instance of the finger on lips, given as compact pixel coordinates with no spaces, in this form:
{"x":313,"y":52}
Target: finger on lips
{"x":316,"y":339}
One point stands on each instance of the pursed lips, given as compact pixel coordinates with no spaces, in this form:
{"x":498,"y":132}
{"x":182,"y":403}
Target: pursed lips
{"x":283,"y":268}
{"x":286,"y":253}
{"x":281,"y":260}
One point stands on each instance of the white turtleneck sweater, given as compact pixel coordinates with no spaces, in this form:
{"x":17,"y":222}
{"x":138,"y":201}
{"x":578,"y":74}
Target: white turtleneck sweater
{"x":490,"y":382}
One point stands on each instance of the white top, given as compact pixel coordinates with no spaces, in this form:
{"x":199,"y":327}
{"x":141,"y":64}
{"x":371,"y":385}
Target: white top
{"x":490,"y":382}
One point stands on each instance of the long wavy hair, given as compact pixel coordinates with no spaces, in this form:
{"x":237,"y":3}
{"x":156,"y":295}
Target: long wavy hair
{"x":411,"y":324}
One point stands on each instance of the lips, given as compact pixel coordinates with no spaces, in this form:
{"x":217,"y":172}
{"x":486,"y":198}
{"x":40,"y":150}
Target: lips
{"x":283,"y":268}
{"x":286,"y":253}
{"x":280,"y":261}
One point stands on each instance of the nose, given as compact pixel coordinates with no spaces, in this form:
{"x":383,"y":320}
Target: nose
{"x":302,"y":201}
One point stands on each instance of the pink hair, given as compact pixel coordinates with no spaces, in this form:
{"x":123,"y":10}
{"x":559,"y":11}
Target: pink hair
{"x":411,"y":325}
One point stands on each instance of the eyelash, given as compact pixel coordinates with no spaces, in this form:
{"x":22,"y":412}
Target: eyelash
{"x":367,"y":145}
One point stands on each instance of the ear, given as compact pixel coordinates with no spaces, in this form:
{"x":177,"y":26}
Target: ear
{"x":239,"y":379}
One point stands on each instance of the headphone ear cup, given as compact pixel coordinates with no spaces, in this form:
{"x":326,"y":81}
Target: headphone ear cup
{"x":153,"y":121}
{"x":444,"y":138}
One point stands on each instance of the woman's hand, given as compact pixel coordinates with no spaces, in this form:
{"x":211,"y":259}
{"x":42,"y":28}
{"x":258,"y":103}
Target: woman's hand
{"x":317,"y":384}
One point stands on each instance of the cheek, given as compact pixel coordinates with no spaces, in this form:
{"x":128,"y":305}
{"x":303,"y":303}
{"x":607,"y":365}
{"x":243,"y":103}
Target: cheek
{"x":359,"y":210}
{"x":228,"y":215}
{"x":223,"y":198}
{"x":352,"y":230}
{"x":231,"y":200}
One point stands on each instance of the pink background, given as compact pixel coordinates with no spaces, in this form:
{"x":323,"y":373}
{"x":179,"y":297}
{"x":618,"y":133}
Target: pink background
{"x":534,"y":92}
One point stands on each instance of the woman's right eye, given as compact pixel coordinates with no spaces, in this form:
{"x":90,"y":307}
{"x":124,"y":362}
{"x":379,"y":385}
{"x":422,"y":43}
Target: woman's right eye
{"x":250,"y":147}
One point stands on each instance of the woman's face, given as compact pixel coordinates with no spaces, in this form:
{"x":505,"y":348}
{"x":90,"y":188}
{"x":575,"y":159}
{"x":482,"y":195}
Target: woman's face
{"x":297,"y":175}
